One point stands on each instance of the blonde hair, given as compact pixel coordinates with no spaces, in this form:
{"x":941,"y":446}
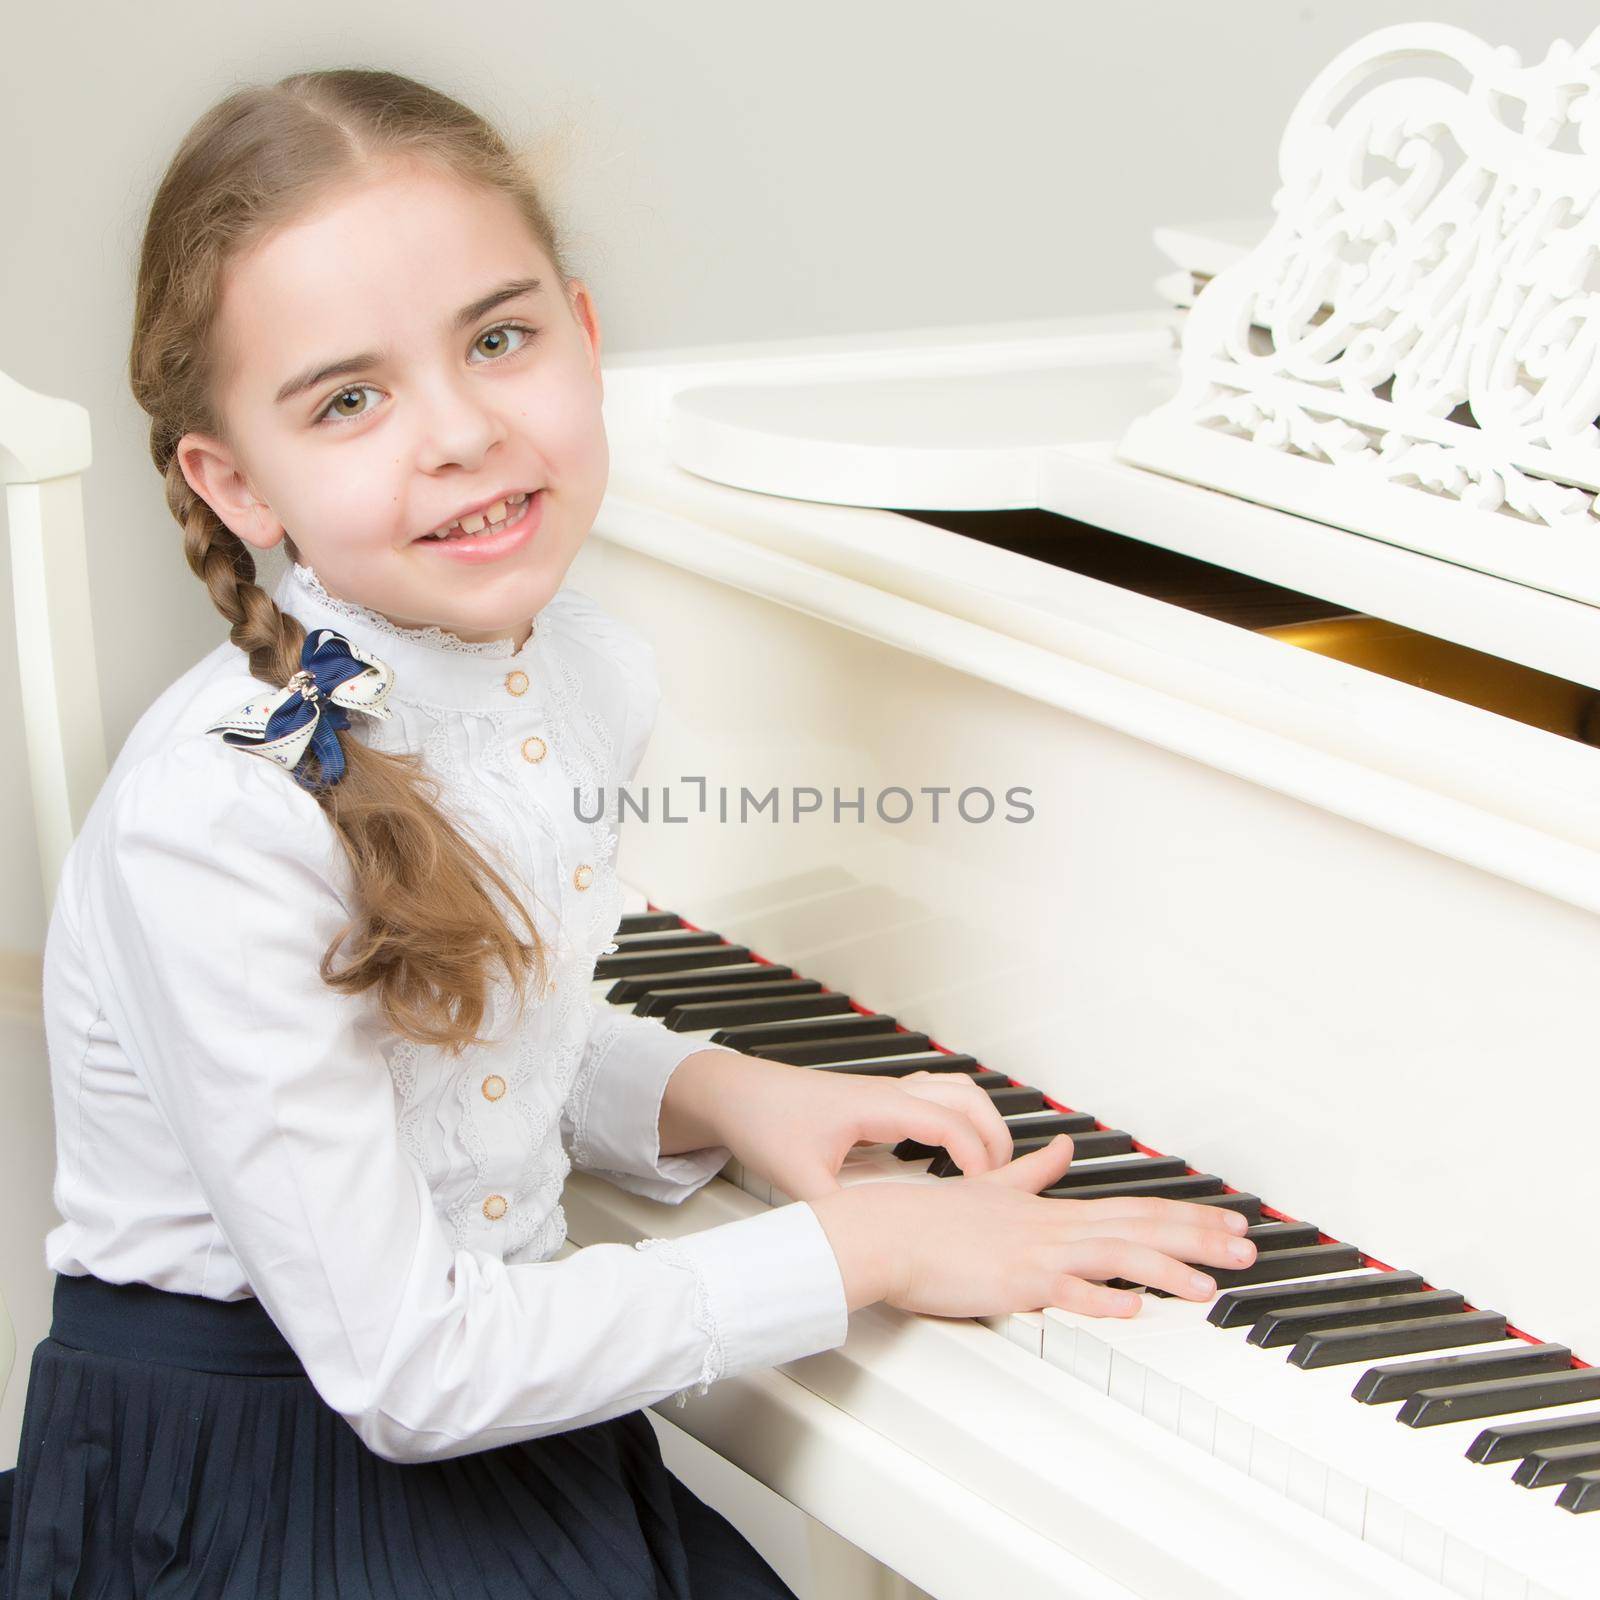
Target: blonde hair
{"x":427,"y":933}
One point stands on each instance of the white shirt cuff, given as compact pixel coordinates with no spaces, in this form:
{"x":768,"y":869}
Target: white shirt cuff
{"x":617,"y":1129}
{"x":770,"y":1289}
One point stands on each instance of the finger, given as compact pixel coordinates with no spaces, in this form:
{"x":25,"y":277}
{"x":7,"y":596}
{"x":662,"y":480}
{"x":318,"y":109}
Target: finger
{"x":961,"y":1138}
{"x":1038,"y":1169}
{"x":1095,"y":1299}
{"x":1122,"y":1258}
{"x":930,"y":1122}
{"x":1203,"y":1246}
{"x":1214,"y":1217}
{"x":961,"y":1093}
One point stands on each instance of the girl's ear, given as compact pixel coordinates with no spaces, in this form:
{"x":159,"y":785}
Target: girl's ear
{"x":209,"y":468}
{"x":588,"y":321}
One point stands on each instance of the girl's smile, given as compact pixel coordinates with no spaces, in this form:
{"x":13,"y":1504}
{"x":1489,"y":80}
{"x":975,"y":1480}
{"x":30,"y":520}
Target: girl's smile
{"x":498,"y":539}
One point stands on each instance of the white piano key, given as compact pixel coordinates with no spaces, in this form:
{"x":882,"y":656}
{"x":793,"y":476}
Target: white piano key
{"x":1161,"y":1396}
{"x":1269,"y":1460}
{"x":1423,"y":1549}
{"x":1197,"y":1420}
{"x":1022,"y":1328}
{"x":1385,"y":1527}
{"x":1308,"y":1481}
{"x":1463,"y":1568}
{"x":1091,"y":1363}
{"x":1230,"y":1441}
{"x":1058,"y":1341}
{"x":1344,"y":1502}
{"x":1501,"y":1583}
{"x":1126,"y":1383}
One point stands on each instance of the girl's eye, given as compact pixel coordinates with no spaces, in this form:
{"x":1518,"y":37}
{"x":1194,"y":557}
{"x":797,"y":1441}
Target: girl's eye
{"x":334,"y":407}
{"x":500,"y":330}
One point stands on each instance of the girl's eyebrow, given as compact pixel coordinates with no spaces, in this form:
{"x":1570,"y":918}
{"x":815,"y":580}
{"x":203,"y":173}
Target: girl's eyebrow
{"x":346,"y":365}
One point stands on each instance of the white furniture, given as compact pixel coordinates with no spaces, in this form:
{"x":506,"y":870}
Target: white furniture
{"x":44,"y":451}
{"x":1310,"y":923}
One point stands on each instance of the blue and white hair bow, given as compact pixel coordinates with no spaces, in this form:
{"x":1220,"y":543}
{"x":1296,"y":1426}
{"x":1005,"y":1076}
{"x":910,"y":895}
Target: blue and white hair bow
{"x":335,"y":678}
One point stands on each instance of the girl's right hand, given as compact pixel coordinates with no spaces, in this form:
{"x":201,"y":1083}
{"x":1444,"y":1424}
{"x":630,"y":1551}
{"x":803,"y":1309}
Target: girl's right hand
{"x":991,"y":1243}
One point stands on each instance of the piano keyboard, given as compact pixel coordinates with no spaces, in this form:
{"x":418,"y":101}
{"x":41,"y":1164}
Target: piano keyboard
{"x":1297,"y":1374}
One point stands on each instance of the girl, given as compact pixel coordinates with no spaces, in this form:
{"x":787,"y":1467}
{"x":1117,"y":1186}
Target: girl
{"x":316,"y":981}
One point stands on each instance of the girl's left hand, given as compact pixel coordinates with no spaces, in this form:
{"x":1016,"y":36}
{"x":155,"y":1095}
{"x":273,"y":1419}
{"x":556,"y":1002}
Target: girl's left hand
{"x":795,"y":1126}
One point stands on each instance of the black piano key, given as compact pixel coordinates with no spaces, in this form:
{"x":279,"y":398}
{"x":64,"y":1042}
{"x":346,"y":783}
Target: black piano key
{"x":1461,"y":1402}
{"x":1247,"y":1205}
{"x":658,"y":1002}
{"x":1283,"y":1235}
{"x":1582,"y":1494}
{"x":1013,"y":1097}
{"x":729,"y":1013}
{"x":852,"y":1047}
{"x":1290,"y":1324}
{"x":1378,"y":1339}
{"x":678,"y":939}
{"x":1505,"y":1441}
{"x":1175,"y":1188}
{"x":819,"y":1029}
{"x":1557,"y":1464}
{"x":1239,"y":1306}
{"x":1382,"y":1385}
{"x":934,"y":1061}
{"x":1048,"y":1124}
{"x":1085,"y":1146}
{"x":625,"y":991}
{"x":636,"y":963}
{"x":1121,"y":1172}
{"x":1277,"y":1265}
{"x":648,"y":921}
{"x":1052,"y":1123}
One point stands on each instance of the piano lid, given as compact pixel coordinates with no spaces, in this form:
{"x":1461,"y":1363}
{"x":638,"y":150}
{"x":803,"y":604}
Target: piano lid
{"x":1406,"y":355}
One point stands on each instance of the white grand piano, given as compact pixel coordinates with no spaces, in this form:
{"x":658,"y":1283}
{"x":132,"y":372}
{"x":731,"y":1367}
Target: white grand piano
{"x":1282,"y":603}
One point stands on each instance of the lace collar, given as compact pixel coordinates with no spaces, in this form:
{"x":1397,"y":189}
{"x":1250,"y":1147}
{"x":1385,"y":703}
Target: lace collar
{"x":432,"y":665}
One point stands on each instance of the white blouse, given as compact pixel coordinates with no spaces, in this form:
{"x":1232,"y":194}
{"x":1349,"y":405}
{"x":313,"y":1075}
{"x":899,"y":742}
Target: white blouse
{"x":228,"y":1125}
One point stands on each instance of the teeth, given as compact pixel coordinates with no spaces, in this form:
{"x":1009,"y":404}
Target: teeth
{"x":490,"y":521}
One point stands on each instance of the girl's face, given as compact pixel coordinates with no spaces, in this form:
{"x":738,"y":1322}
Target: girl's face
{"x":384,"y":365}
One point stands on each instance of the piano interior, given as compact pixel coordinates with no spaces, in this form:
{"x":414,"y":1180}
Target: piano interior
{"x":1407,"y":655}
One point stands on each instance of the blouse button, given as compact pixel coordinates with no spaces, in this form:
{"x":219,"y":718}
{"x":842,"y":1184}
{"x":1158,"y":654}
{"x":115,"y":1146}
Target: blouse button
{"x":534,"y":748}
{"x":583,"y":876}
{"x":493,"y":1086}
{"x":517,"y":682}
{"x":494,"y":1207}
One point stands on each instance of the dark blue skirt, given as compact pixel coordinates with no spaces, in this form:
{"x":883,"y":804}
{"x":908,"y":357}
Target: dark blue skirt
{"x":173,"y":1446}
